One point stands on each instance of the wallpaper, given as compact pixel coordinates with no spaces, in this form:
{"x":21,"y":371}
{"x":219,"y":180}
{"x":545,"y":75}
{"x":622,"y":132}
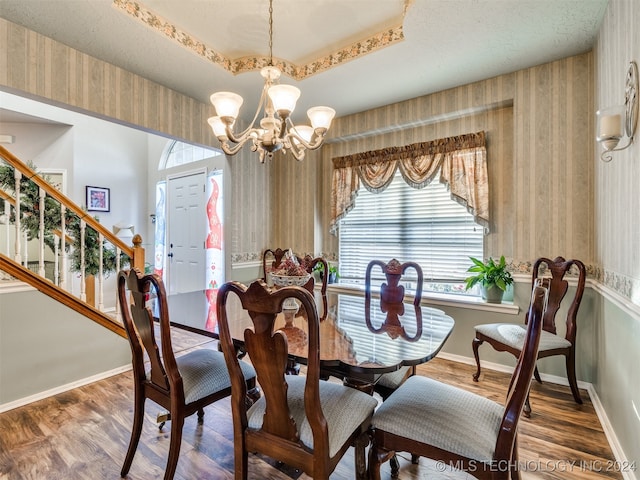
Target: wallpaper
{"x":539,"y":126}
{"x":617,"y":186}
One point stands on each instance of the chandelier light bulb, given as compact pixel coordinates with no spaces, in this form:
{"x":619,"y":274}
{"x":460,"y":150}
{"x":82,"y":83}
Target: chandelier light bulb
{"x":217,"y":126}
{"x":227,"y":104}
{"x":284,"y":98}
{"x":303,"y":131}
{"x":321,"y":117}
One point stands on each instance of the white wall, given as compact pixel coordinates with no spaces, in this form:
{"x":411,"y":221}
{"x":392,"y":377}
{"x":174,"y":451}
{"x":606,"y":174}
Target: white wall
{"x":45,"y":347}
{"x":93,"y":152}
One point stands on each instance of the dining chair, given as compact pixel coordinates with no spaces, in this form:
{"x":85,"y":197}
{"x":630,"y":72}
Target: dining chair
{"x":392,"y":297}
{"x":457,"y":427}
{"x":300,"y":420}
{"x":271,"y":260}
{"x":507,"y":337}
{"x":183,"y":385}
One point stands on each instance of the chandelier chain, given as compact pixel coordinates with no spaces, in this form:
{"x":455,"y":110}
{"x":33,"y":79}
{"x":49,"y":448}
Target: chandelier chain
{"x":270,"y":32}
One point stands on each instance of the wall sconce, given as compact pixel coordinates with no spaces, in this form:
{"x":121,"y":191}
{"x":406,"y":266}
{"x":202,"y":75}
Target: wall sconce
{"x":615,"y":122}
{"x":123,"y":230}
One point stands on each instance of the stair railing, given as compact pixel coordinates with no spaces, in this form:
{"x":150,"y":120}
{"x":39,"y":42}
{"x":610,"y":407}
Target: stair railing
{"x":61,"y":239}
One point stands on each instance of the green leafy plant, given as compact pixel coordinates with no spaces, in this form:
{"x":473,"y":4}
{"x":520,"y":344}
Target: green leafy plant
{"x":30,"y":224}
{"x":333,"y":270}
{"x":488,"y":274}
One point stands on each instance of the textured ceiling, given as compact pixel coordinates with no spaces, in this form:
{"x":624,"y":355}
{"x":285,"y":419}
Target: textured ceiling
{"x":446,"y":42}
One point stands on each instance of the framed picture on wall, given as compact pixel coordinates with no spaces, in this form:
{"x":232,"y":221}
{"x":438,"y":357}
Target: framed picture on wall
{"x":97,"y":199}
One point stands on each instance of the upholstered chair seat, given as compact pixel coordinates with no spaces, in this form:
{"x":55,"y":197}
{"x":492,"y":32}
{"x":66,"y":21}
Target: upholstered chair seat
{"x":393,"y":380}
{"x":513,"y":336}
{"x":205,"y":372}
{"x":182,"y":385}
{"x":507,"y":337}
{"x":446,"y":417}
{"x":435,"y":420}
{"x":302,"y":421}
{"x":344,"y":408}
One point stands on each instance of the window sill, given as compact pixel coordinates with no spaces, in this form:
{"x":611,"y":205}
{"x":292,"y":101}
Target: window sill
{"x":438,"y":299}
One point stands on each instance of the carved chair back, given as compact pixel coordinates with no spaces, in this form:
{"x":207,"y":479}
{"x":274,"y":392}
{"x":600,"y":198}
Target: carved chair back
{"x":391,"y":292}
{"x":280,"y":433}
{"x":558,"y":287}
{"x":272,"y":259}
{"x":268,"y":352}
{"x":518,"y":391}
{"x":141,"y":331}
{"x":182,"y":386}
{"x":391,"y":302}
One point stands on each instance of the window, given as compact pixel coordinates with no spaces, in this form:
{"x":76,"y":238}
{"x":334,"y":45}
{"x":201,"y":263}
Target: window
{"x":180,"y":153}
{"x":421,"y":225}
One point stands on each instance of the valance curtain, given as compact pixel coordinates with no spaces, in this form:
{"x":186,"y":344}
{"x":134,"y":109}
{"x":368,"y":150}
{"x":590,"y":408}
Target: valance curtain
{"x":461,"y":162}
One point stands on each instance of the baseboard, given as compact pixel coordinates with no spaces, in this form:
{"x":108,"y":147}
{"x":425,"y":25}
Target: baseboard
{"x":609,"y":432}
{"x":616,"y":448}
{"x":62,"y":388}
{"x":498,"y":367}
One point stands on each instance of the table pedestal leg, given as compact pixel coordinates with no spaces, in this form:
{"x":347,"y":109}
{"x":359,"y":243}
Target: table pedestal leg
{"x":363,"y":386}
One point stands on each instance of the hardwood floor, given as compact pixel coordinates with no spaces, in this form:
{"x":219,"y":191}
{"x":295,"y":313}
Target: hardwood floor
{"x":84,"y":433}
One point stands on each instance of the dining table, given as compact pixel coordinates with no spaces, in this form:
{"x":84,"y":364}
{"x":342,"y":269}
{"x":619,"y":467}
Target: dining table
{"x":360,"y":339}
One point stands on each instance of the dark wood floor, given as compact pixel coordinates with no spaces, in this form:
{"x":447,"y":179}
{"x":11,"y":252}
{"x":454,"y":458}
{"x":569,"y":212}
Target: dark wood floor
{"x":83,"y":434}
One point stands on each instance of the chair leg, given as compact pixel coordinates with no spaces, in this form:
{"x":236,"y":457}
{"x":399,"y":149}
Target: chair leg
{"x":571,"y":376}
{"x":360,"y":456}
{"x":136,"y":430}
{"x":200,"y":415}
{"x":395,"y":466}
{"x":536,"y":374}
{"x":526,"y":411}
{"x":514,"y":466}
{"x":376,"y":458}
{"x":476,"y":344}
{"x":177,"y":422}
{"x":240,"y":460}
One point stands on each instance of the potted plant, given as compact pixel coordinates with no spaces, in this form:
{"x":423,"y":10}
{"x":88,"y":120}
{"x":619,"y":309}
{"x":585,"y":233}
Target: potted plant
{"x":333,"y":272}
{"x":493,"y":278}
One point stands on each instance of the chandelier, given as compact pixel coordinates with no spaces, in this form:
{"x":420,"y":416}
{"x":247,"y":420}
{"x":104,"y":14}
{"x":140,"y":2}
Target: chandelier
{"x":276,"y":131}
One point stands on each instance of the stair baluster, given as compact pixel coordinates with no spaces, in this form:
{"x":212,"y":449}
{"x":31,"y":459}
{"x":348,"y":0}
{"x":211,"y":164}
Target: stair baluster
{"x":42,"y":195}
{"x":18,"y":256}
{"x":63,"y":248}
{"x":100,"y":273}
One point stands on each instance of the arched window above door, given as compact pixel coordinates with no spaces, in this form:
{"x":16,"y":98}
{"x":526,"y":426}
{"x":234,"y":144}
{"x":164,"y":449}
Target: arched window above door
{"x":179,"y":153}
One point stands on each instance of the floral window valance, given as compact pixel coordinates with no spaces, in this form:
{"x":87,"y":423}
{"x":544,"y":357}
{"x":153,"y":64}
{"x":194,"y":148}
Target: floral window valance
{"x":461,"y":162}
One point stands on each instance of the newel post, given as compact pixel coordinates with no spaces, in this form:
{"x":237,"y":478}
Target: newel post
{"x":138,"y":253}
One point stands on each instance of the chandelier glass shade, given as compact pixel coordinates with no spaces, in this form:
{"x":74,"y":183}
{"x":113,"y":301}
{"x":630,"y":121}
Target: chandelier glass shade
{"x":276,"y":130}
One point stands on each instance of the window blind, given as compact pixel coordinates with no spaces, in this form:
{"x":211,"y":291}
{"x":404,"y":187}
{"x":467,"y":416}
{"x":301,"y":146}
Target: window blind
{"x":421,"y":225}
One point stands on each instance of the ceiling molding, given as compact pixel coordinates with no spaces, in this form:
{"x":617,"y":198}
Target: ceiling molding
{"x":244,"y":64}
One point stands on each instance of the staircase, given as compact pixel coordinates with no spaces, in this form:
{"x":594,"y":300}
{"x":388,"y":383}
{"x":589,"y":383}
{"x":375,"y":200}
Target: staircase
{"x":32,"y":210}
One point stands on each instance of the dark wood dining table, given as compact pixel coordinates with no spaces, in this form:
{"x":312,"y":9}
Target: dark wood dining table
{"x":354,"y":345}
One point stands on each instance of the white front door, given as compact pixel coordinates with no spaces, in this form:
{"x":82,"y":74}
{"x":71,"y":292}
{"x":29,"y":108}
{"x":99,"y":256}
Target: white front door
{"x":186,"y":233}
